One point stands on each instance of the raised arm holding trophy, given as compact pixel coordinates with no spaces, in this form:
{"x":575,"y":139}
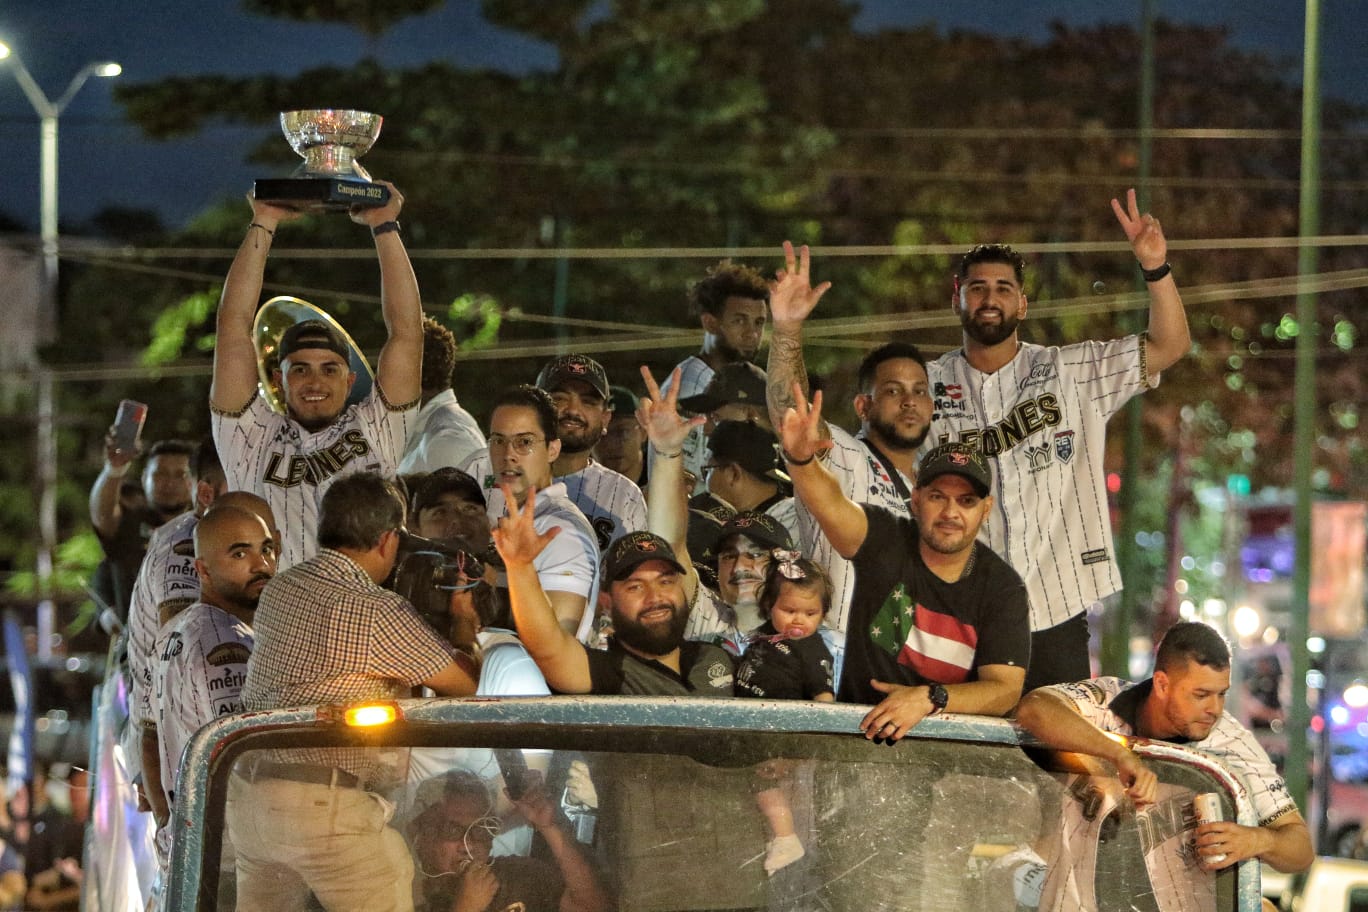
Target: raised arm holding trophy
{"x":290,"y":458}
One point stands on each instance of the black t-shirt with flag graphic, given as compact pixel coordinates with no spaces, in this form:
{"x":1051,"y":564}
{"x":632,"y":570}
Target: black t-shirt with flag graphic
{"x":909,"y":626}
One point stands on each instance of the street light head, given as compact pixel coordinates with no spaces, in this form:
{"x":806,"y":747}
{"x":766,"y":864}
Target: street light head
{"x":4,"y":50}
{"x":108,"y":69}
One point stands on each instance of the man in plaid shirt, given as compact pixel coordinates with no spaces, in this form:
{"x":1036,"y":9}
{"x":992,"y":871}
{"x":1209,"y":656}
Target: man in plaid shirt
{"x":312,"y":820}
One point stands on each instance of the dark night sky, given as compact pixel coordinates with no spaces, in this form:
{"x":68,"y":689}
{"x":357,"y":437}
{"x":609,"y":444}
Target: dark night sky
{"x":105,"y":162}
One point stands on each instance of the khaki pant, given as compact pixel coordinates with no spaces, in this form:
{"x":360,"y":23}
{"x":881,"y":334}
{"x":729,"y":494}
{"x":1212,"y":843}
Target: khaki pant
{"x":294,"y":838}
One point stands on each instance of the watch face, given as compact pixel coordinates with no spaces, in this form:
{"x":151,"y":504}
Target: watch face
{"x":939,"y":697}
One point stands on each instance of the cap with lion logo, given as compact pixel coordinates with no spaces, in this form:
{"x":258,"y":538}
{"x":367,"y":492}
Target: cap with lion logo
{"x":957,"y":459}
{"x":634,"y":549}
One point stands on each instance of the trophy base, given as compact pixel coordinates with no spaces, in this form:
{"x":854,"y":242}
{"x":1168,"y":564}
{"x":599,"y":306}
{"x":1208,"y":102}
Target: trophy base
{"x":321,"y":193}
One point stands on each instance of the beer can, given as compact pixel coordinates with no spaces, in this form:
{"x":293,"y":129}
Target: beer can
{"x":1206,"y":807}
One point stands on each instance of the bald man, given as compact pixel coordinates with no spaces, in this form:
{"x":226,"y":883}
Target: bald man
{"x":169,"y":583}
{"x":200,"y":659}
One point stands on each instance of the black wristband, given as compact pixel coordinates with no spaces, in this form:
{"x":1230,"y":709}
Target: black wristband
{"x":788,"y":458}
{"x":1154,"y":275}
{"x":384,"y":228}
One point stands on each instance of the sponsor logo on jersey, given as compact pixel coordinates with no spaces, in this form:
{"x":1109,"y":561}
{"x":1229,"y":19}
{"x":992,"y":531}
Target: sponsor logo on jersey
{"x":1039,"y":456}
{"x":1028,"y":417}
{"x":1095,"y":556}
{"x":1064,"y":445}
{"x":228,"y":654}
{"x":174,"y":647}
{"x":230,"y":678}
{"x":603,"y":531}
{"x":949,"y":397}
{"x":181,"y":568}
{"x":1040,"y":374}
{"x":317,"y":467}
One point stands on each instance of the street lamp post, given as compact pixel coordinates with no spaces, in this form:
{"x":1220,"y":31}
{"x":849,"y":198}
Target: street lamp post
{"x":48,"y":112}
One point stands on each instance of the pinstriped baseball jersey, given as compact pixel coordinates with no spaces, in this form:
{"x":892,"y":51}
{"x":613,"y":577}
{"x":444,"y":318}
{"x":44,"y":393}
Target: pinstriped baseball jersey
{"x":1042,"y":421}
{"x":270,"y":455}
{"x":694,"y":377}
{"x":863,"y":480}
{"x":1109,"y":703}
{"x":167,"y":580}
{"x":611,"y":501}
{"x":199,"y":666}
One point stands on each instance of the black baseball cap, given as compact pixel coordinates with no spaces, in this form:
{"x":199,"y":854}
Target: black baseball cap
{"x":446,"y":480}
{"x":574,"y":367}
{"x":623,"y":401}
{"x":313,"y":334}
{"x":741,"y":382}
{"x":760,"y":528}
{"x":634,"y":549}
{"x":957,"y":459}
{"x":750,"y":446}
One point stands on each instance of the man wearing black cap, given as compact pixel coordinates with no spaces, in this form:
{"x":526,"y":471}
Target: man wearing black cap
{"x":743,"y":472}
{"x":644,"y":595}
{"x":744,"y":548}
{"x":291,"y":459}
{"x":937,"y":620}
{"x":623,"y":447}
{"x":735,"y":393}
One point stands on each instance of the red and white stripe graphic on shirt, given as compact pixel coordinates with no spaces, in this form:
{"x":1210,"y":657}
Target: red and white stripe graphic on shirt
{"x":939,"y":647}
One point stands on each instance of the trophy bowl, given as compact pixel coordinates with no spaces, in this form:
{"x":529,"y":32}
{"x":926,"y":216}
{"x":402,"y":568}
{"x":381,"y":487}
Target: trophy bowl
{"x":330,"y":140}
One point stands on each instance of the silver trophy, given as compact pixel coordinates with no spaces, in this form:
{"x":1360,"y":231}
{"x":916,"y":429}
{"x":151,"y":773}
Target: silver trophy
{"x":330,"y":140}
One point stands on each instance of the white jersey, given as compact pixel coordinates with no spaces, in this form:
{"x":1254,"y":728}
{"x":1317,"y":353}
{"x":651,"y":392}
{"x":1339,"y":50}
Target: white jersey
{"x":166,"y":584}
{"x":443,"y":435}
{"x":506,"y":668}
{"x":199,"y":664}
{"x":694,"y":377}
{"x":864,"y":480}
{"x":1041,"y":419}
{"x":611,"y":501}
{"x":571,"y":561}
{"x":270,"y":455}
{"x":785,"y":511}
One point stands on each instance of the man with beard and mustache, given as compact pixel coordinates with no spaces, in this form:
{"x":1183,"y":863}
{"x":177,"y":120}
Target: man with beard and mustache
{"x":744,"y":547}
{"x":937,"y":620}
{"x":875,"y":466}
{"x":730,"y":303}
{"x":1039,"y":413}
{"x":647,"y":590}
{"x":291,"y":459}
{"x":199,"y":661}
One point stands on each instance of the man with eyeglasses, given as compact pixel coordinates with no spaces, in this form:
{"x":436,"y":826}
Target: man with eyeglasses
{"x":524,"y":442}
{"x":453,"y":839}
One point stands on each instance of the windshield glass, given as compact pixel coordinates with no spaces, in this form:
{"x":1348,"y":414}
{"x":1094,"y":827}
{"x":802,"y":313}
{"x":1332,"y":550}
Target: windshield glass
{"x":689,"y":819}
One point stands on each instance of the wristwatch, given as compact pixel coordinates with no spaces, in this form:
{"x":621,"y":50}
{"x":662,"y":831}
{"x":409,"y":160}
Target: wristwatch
{"x":939,"y":698}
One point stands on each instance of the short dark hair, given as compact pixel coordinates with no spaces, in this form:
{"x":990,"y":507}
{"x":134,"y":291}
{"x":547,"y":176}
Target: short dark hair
{"x":357,"y":509}
{"x":726,"y":280}
{"x":886,"y":352}
{"x":992,"y":253}
{"x":814,"y":579}
{"x":206,"y":460}
{"x":171,"y":448}
{"x":1192,"y":641}
{"x":439,"y":356}
{"x":525,"y":395}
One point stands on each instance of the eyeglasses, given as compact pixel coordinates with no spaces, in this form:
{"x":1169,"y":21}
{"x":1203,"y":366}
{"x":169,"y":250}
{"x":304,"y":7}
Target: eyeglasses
{"x":522,"y":444}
